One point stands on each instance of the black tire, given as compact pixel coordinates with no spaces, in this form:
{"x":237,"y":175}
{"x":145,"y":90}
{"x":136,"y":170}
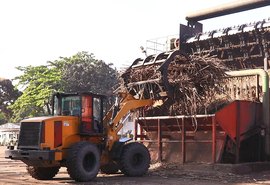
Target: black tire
{"x":83,"y":161}
{"x":111,"y":168}
{"x":135,"y":160}
{"x":42,"y":173}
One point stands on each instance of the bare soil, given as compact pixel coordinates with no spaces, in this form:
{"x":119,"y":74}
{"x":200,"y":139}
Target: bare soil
{"x":14,"y":172}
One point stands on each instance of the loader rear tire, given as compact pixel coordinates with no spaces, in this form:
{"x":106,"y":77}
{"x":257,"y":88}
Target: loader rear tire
{"x":42,"y":173}
{"x":83,"y":161}
{"x":135,"y":160}
{"x":111,"y":168}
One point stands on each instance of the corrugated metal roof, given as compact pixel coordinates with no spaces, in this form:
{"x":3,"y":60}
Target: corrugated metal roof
{"x":10,"y":126}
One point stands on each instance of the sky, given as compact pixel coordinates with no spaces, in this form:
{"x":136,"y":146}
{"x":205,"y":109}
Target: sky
{"x":33,"y":32}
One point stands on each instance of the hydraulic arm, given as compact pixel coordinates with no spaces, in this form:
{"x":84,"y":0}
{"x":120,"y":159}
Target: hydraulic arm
{"x":118,"y":111}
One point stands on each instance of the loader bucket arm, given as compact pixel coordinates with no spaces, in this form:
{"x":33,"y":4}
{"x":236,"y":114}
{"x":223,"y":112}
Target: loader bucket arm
{"x":127,"y":104}
{"x":130,"y":105}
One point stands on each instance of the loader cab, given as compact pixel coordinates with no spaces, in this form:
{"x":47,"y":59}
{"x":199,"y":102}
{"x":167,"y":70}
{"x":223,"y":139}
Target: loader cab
{"x":88,"y":107}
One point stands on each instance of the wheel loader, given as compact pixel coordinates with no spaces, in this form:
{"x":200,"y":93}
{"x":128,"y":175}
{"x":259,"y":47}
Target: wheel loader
{"x":77,"y":136}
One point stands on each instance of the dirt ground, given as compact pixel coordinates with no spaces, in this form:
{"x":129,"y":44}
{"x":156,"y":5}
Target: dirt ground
{"x":14,"y":172}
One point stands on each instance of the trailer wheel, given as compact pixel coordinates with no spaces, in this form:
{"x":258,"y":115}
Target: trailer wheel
{"x":135,"y":159}
{"x":42,"y":173}
{"x":83,"y":161}
{"x":111,"y":168}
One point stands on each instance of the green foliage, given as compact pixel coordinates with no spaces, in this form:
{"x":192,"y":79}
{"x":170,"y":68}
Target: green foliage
{"x":2,"y":118}
{"x":8,"y":95}
{"x":38,"y":82}
{"x":80,"y":72}
{"x":84,"y":73}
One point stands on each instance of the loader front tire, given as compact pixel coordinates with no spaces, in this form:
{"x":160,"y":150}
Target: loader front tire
{"x":83,"y":161}
{"x":135,"y":159}
{"x":42,"y":173}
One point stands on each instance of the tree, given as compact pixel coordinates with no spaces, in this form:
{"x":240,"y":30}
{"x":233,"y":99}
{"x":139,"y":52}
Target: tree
{"x":8,"y":96}
{"x":83,"y":72}
{"x":38,"y":84}
{"x":80,"y":72}
{"x":2,"y":118}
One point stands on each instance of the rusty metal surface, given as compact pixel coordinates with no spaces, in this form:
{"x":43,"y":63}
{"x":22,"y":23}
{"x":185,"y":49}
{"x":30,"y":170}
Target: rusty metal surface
{"x":173,"y":123}
{"x":239,"y":47}
{"x":231,"y":136}
{"x":201,"y":142}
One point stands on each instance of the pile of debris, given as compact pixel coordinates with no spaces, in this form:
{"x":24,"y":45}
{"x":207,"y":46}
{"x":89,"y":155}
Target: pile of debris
{"x":197,"y":84}
{"x":191,"y":84}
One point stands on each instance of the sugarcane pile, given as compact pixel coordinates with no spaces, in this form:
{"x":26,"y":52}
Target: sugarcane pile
{"x":142,"y":74}
{"x":145,"y":82}
{"x":194,"y":82}
{"x":197,"y":85}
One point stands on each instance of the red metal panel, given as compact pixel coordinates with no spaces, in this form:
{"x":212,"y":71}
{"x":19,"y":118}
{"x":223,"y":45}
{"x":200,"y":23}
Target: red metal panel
{"x":242,"y":115}
{"x":226,"y":118}
{"x":57,"y":133}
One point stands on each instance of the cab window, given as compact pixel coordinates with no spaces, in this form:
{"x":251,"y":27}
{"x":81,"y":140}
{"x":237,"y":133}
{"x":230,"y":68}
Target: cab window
{"x":67,"y":106}
{"x":97,"y":109}
{"x":71,"y":105}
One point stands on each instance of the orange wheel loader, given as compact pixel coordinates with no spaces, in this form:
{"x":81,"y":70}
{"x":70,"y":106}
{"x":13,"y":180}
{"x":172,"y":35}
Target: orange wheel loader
{"x":77,"y":136}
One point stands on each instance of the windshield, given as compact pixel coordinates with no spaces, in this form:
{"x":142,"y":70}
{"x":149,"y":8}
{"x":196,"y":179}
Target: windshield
{"x":67,"y":106}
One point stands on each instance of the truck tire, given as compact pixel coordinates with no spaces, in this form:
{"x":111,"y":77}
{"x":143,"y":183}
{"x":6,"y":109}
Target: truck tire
{"x":111,"y":168}
{"x":42,"y":173}
{"x":134,"y":160}
{"x":83,"y":161}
